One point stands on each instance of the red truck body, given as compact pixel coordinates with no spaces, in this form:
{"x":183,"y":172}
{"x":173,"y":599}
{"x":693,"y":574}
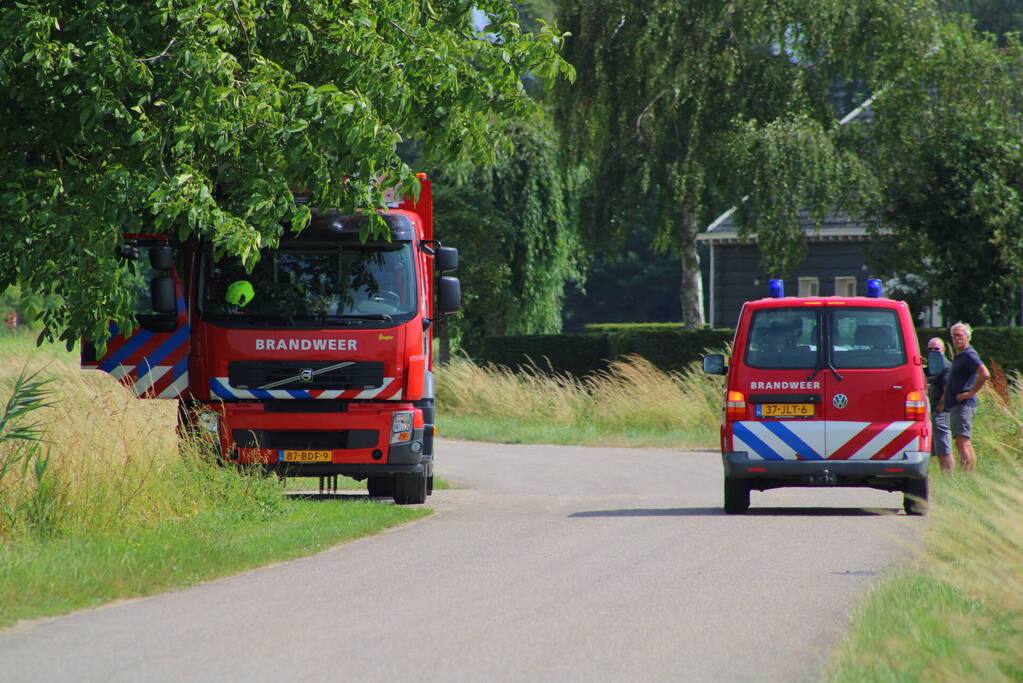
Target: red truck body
{"x":326,"y":370}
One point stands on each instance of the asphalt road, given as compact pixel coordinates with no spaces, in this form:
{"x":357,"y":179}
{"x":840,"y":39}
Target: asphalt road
{"x":551,"y":563}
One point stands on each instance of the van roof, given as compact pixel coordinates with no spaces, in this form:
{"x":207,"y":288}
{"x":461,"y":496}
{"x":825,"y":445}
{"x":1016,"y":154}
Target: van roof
{"x":786,"y":301}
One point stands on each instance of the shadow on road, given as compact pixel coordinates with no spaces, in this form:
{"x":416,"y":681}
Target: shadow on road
{"x":755,"y":512}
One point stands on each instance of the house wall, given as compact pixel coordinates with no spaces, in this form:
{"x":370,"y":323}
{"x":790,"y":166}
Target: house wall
{"x":738,"y":277}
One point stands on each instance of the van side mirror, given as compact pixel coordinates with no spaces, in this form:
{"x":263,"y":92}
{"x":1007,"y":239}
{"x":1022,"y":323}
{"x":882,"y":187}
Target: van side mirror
{"x":447,"y":259}
{"x":449,"y":295}
{"x":714,"y":364}
{"x":935,"y":363}
{"x":161,"y":292}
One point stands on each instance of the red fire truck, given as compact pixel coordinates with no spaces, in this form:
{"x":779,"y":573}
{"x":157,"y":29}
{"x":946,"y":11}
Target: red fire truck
{"x":317,"y":363}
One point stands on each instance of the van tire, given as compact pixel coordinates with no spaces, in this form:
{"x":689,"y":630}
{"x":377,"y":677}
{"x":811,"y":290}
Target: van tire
{"x":914,"y":498}
{"x":736,"y":496}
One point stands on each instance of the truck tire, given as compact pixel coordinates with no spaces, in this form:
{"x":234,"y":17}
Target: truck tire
{"x":410,"y":490}
{"x":914,"y":496}
{"x":736,"y":496}
{"x":380,"y":487}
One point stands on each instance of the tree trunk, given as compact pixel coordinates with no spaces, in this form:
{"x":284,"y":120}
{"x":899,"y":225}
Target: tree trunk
{"x":692,"y":277}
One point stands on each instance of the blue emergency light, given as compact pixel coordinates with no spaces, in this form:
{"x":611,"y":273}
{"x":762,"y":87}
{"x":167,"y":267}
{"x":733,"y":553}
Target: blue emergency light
{"x":777,"y":288}
{"x":874,"y":288}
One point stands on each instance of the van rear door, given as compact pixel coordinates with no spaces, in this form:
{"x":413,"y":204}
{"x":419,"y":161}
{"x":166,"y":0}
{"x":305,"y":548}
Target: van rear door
{"x":784,"y":385}
{"x":865,"y":407}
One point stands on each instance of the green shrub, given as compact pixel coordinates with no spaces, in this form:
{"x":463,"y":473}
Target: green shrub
{"x":1002,"y":346}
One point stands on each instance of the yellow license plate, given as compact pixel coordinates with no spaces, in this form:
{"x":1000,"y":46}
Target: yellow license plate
{"x":306,"y":456}
{"x":785,"y":410}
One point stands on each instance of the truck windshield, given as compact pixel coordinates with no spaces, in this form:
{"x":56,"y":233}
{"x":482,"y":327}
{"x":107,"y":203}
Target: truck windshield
{"x":348,"y":281}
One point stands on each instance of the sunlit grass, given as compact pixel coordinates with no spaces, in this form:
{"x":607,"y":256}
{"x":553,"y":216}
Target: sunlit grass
{"x":632,"y":404}
{"x":106,"y":503}
{"x":957,"y":612}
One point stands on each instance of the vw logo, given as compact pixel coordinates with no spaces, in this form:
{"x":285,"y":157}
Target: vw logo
{"x":306,"y":374}
{"x":840,"y":401}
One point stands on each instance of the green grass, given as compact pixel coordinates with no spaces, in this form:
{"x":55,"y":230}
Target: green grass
{"x":956,"y":611}
{"x":472,"y":428}
{"x":104,"y":505}
{"x":56,"y":576}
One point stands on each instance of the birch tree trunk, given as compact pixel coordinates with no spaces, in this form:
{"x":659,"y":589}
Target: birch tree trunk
{"x":692,"y":278}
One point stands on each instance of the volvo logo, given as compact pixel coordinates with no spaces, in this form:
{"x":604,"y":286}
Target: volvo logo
{"x":306,"y":374}
{"x":840,"y":401}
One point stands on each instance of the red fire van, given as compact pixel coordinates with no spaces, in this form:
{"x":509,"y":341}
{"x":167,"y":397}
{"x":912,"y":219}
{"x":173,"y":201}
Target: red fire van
{"x":824,"y":391}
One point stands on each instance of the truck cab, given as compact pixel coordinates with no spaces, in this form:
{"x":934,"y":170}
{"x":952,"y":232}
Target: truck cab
{"x":824,"y":391}
{"x":317,"y":362}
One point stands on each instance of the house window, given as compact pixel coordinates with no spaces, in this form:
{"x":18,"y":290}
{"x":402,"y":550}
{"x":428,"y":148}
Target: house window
{"x":845,"y":286}
{"x":809,"y":286}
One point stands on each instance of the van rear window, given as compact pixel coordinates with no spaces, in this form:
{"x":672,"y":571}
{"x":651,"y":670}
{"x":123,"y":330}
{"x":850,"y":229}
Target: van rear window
{"x":866,"y":338}
{"x":783,"y":338}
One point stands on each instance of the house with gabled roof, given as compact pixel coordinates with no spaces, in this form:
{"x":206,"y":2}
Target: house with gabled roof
{"x":835,"y":264}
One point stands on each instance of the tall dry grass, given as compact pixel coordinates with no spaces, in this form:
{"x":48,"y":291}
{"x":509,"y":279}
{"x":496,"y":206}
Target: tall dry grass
{"x":110,"y":461}
{"x":631,"y":396}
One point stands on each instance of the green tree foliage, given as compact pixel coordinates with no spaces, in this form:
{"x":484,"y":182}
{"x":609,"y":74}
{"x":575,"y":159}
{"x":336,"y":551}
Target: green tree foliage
{"x":946,"y":145}
{"x":518,"y":246}
{"x":993,"y":16}
{"x":198,"y":117}
{"x":680,"y":103}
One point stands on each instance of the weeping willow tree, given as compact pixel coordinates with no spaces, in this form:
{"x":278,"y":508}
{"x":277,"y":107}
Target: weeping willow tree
{"x":517,"y":243}
{"x":683,"y":102}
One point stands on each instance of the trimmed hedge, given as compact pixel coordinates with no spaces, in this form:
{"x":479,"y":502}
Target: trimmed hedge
{"x":669,"y":346}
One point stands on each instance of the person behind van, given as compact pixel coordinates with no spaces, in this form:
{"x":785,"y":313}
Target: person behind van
{"x":966,"y":377}
{"x":942,"y":444}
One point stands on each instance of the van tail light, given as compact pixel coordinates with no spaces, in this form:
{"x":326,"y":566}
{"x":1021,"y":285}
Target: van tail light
{"x":735,"y":406}
{"x":916,"y":405}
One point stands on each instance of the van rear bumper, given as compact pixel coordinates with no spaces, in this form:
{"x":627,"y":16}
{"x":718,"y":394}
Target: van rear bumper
{"x":913,"y":465}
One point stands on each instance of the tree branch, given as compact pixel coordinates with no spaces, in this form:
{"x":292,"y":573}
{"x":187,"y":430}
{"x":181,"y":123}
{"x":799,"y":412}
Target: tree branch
{"x":165,"y":53}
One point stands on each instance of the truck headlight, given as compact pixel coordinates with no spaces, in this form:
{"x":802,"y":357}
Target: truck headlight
{"x":401,"y":427}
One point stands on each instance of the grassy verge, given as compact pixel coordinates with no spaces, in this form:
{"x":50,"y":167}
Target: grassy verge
{"x":956,"y":612}
{"x":97,"y":503}
{"x":633,"y":404}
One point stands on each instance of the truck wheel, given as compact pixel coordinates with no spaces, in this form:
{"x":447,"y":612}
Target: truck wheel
{"x":429,"y":485}
{"x":736,"y":496}
{"x":410,"y":490}
{"x":914,"y":496}
{"x":380,"y":487}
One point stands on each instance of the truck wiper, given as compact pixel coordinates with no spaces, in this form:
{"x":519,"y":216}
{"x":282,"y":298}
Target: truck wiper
{"x":361,"y":316}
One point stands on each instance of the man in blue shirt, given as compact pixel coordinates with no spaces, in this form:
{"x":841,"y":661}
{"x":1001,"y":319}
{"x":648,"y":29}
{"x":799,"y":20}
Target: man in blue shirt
{"x":966,"y":377}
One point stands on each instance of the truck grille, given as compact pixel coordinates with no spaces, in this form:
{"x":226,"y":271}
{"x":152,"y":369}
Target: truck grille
{"x":317,"y":374}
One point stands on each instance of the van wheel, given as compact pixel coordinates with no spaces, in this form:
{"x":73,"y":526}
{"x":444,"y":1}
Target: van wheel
{"x":410,"y":490}
{"x":736,"y":496}
{"x":914,"y":498}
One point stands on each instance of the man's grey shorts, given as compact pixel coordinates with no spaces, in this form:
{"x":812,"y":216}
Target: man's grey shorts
{"x":961,"y":418}
{"x":942,"y":438}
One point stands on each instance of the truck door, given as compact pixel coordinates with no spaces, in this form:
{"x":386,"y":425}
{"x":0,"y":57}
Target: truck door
{"x":152,"y":360}
{"x":869,"y":391}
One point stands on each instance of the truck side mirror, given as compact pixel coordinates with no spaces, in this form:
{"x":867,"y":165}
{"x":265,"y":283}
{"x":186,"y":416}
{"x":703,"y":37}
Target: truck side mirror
{"x":447,"y":259}
{"x":449,"y":295}
{"x":161,"y":258}
{"x":935,"y":363}
{"x":161,"y":292}
{"x":714,"y":364}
